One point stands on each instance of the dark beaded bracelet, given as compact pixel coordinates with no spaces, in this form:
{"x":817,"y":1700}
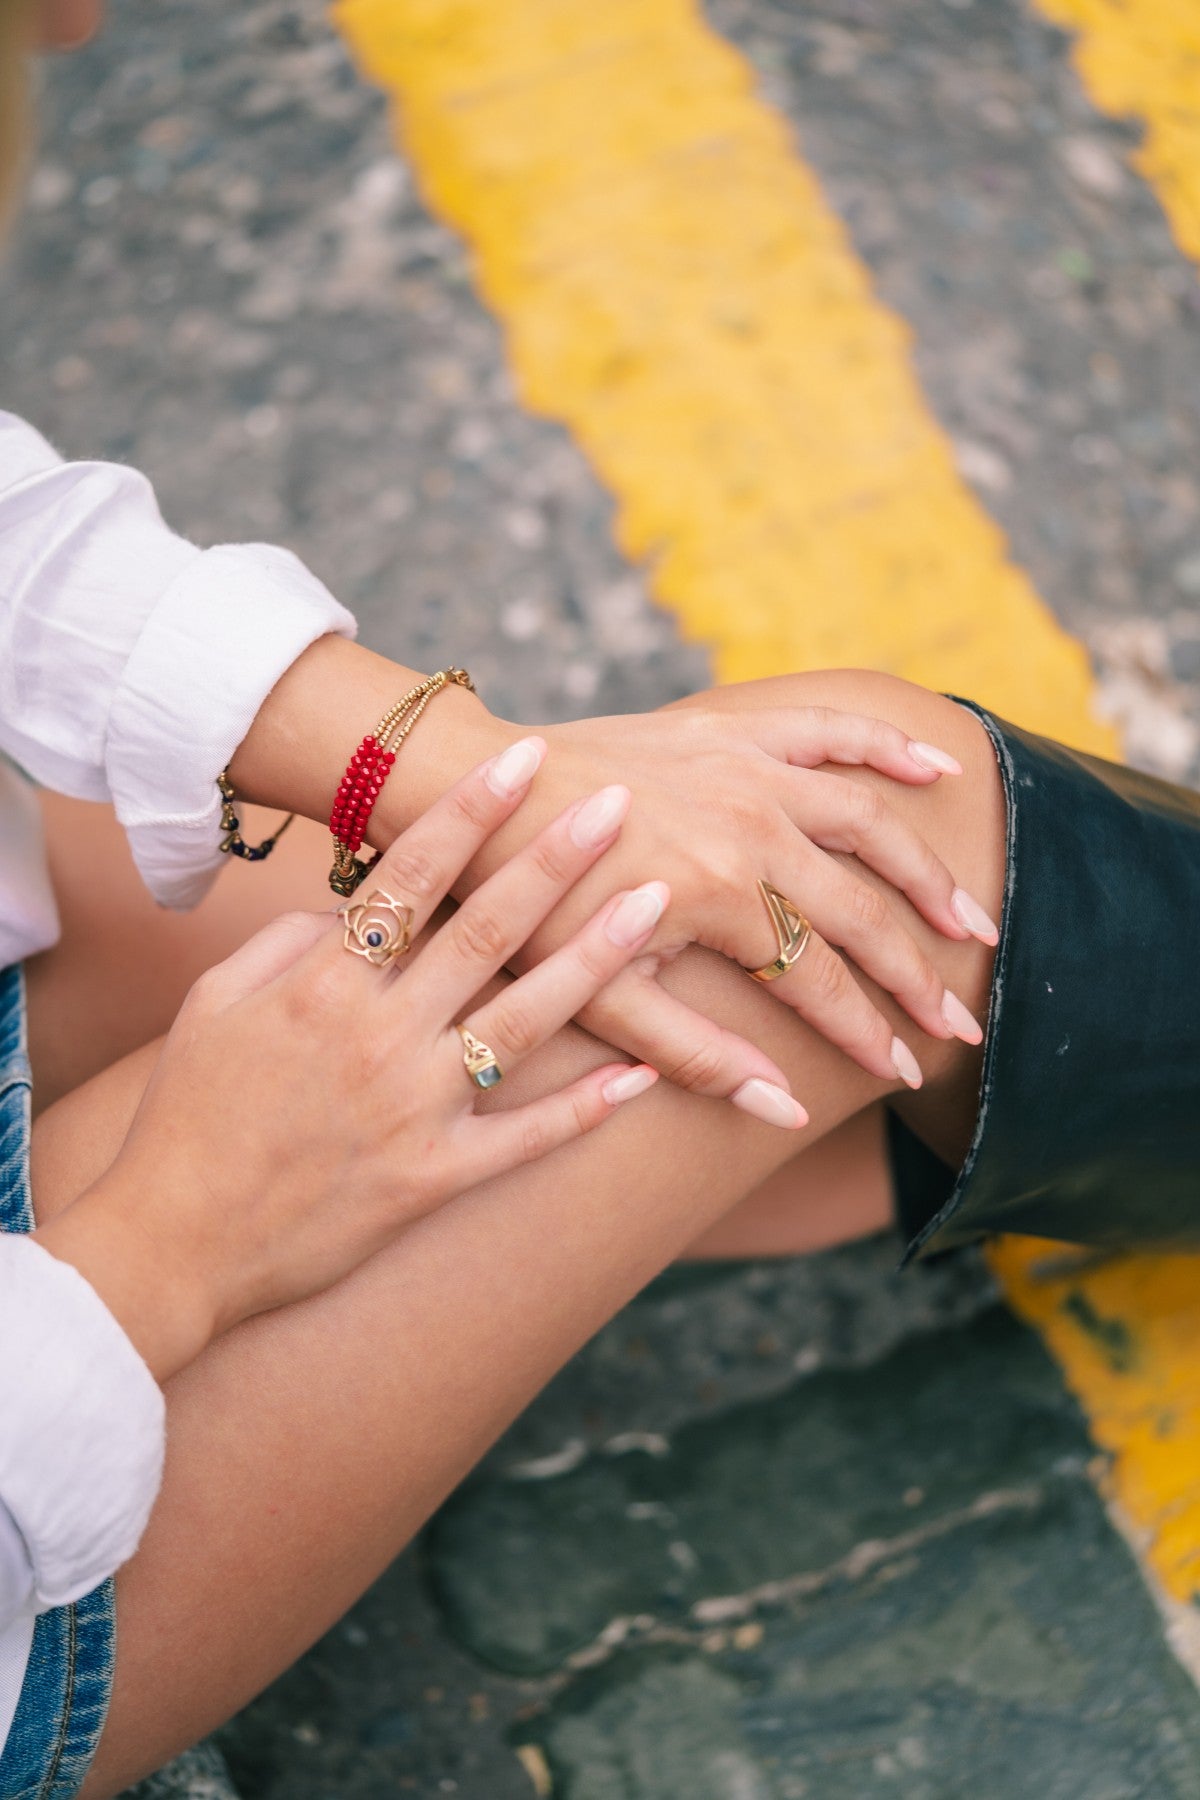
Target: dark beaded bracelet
{"x":233,"y":843}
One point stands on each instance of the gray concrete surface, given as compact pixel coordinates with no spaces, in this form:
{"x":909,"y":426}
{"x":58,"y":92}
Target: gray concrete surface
{"x":780,"y":1533}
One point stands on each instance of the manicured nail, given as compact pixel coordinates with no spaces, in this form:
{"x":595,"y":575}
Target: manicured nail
{"x":960,"y":1021}
{"x":972,"y":917}
{"x":515,"y":767}
{"x":928,"y":756}
{"x":905,"y":1063}
{"x":599,"y":817}
{"x":763,"y":1100}
{"x":629,"y":1085}
{"x":637,"y":913}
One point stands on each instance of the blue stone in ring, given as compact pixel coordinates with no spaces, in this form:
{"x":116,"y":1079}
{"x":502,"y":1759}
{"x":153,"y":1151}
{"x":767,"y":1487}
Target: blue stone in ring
{"x":489,"y":1077}
{"x":374,"y":938}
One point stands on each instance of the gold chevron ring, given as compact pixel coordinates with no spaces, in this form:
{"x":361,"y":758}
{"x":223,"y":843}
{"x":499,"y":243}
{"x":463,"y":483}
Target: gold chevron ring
{"x":792,"y":933}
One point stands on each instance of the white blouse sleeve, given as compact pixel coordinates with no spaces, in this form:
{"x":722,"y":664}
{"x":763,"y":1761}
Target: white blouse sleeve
{"x":132,"y":663}
{"x":81,"y":1435}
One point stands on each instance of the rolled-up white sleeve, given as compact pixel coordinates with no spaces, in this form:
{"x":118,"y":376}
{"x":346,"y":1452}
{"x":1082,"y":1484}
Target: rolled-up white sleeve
{"x":132,"y":664}
{"x":81,"y":1446}
{"x":81,"y":1431}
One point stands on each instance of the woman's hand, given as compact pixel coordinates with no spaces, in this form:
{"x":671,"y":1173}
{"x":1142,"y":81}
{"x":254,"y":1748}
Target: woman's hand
{"x":726,"y":795}
{"x":307,"y":1105}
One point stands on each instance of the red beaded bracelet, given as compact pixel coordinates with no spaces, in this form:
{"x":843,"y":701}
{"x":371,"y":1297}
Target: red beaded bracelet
{"x":359,"y":790}
{"x":368,"y":769}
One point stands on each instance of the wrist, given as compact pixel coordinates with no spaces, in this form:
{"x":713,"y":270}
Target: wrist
{"x":298,"y":746}
{"x":163,"y":1305}
{"x":454,"y":735}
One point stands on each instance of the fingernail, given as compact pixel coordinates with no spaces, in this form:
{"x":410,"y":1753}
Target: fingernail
{"x":599,"y":817}
{"x":972,"y":917}
{"x":515,"y":767}
{"x":905,"y":1063}
{"x":763,"y":1100}
{"x":629,"y":1085}
{"x":960,"y":1021}
{"x":928,"y":756}
{"x":635,"y":914}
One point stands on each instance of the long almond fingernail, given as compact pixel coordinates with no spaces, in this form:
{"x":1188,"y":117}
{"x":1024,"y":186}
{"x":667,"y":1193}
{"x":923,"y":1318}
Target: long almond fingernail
{"x":515,"y":767}
{"x":629,"y":1086}
{"x":963,"y":1024}
{"x":905,"y":1063}
{"x":972,"y":917}
{"x":763,"y":1100}
{"x":635,"y":914}
{"x":599,"y":817}
{"x":928,"y":756}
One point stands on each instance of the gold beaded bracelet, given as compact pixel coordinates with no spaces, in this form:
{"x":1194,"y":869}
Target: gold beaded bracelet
{"x":368,"y":769}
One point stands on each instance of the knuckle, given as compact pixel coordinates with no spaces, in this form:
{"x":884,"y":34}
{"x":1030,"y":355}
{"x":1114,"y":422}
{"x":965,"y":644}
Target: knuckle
{"x":550,"y":862}
{"x":592,"y":962}
{"x":534,"y":1139}
{"x":870,"y":1035}
{"x":518,"y":1029}
{"x":869,"y":911}
{"x":585,"y":1112}
{"x":828,"y":977}
{"x":928,"y":983}
{"x":881,"y":737}
{"x":867,"y":810}
{"x":478,"y":935}
{"x":415,"y":872}
{"x":699,"y":1070}
{"x":473,"y":805}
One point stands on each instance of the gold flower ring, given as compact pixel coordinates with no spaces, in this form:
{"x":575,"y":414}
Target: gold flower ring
{"x":378,"y":928}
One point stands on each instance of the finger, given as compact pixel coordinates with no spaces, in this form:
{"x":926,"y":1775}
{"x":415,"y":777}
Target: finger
{"x":491,"y":926}
{"x":857,"y":820}
{"x":501,"y":1141}
{"x":858,"y":917}
{"x":271,"y":951}
{"x":635,"y":1014}
{"x":825,"y":994}
{"x":531,"y":1010}
{"x":419,"y":868}
{"x":810,"y":735}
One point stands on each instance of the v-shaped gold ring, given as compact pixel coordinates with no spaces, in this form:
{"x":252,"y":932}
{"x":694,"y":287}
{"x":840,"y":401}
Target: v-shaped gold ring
{"x":792,"y":933}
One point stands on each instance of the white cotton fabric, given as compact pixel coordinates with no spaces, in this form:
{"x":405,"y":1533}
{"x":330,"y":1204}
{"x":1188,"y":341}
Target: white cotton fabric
{"x":81,"y":1447}
{"x":132,"y":663}
{"x":131,"y":667}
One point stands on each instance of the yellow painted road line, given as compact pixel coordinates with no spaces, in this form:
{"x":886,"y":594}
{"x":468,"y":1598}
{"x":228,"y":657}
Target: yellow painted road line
{"x":676,"y":291}
{"x":1141,"y":58}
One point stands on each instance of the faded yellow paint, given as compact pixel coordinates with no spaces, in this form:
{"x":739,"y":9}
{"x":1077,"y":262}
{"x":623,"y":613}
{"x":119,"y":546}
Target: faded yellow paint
{"x":1131,"y":1353}
{"x":1141,"y":58}
{"x":676,"y":291}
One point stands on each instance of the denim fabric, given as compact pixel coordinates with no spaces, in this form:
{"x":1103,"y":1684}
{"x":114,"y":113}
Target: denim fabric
{"x":64,"y":1700}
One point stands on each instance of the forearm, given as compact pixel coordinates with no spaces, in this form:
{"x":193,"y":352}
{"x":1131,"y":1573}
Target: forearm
{"x":156,"y":1292}
{"x":312,"y":720}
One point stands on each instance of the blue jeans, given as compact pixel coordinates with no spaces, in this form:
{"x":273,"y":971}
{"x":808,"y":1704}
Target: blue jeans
{"x":64,"y":1700}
